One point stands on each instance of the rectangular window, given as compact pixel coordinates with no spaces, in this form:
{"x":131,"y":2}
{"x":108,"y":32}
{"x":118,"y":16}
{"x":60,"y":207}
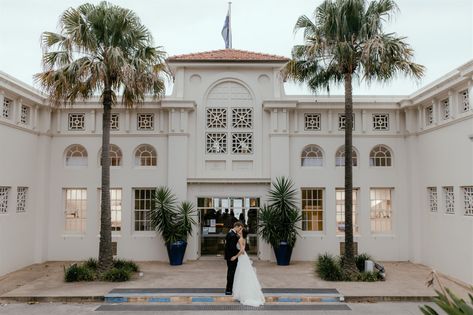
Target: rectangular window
{"x":311,"y":121}
{"x":76,"y":121}
{"x":433,"y":198}
{"x":342,"y":121}
{"x":25,"y":115}
{"x":312,"y":209}
{"x":445,"y":109}
{"x":380,"y":122}
{"x":145,"y":121}
{"x":76,"y":208}
{"x":6,"y":108}
{"x":115,"y":121}
{"x":216,"y":142}
{"x":340,"y":210}
{"x":429,"y":115}
{"x":143,"y":203}
{"x":468,"y":199}
{"x":4,"y":192}
{"x":115,"y":207}
{"x":242,"y":142}
{"x":449,"y":199}
{"x":242,"y":118}
{"x":381,"y":210}
{"x":21,"y":199}
{"x":216,"y":118}
{"x":465,"y":101}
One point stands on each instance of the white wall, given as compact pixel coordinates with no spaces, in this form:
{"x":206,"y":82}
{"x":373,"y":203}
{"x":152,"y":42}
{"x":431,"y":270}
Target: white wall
{"x":19,"y":161}
{"x":444,"y":157}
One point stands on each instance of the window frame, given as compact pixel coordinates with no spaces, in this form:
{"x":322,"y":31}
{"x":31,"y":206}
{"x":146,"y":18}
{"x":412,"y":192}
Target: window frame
{"x":305,"y":150}
{"x":83,"y":220}
{"x":391,"y":157}
{"x":138,"y":159}
{"x":390,"y":232}
{"x":68,"y":149}
{"x":134,"y":210}
{"x":356,"y":211}
{"x":323,"y":230}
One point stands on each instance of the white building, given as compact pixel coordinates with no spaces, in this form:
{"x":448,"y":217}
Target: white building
{"x":224,"y":134}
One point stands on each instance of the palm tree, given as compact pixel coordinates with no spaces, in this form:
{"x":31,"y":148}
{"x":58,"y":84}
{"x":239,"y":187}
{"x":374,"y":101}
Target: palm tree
{"x":345,"y":39}
{"x":101,"y":50}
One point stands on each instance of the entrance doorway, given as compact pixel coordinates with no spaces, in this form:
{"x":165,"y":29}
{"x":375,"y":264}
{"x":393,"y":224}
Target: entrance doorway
{"x":217,"y":215}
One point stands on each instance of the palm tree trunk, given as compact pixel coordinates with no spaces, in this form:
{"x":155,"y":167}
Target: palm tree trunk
{"x":105,"y":246}
{"x":349,"y":257}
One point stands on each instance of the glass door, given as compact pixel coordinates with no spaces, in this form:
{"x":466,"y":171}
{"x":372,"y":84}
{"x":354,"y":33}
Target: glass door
{"x":217,"y":216}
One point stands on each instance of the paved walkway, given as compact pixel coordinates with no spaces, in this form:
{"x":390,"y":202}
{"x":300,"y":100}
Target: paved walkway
{"x":82,"y":309}
{"x":403,"y":279}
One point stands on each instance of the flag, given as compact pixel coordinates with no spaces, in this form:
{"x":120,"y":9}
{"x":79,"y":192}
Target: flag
{"x":227,"y":30}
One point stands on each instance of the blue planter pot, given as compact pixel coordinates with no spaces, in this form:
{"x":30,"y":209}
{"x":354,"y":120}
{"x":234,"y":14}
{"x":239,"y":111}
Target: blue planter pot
{"x":176,"y":252}
{"x":283,"y":254}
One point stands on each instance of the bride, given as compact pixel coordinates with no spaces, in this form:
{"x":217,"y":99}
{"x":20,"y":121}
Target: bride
{"x":246,"y":287}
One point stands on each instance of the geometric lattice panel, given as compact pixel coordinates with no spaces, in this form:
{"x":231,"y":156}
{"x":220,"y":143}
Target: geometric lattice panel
{"x":216,"y":118}
{"x":311,"y":121}
{"x":242,"y":142}
{"x":216,"y":142}
{"x":242,"y":118}
{"x":76,"y":121}
{"x":380,"y":121}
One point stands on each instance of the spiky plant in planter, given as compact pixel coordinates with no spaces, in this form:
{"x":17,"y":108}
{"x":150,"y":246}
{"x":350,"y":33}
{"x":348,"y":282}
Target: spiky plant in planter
{"x":278,"y":221}
{"x":173,"y":221}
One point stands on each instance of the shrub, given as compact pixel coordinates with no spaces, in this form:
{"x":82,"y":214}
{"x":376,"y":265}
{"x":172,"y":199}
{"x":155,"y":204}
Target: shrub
{"x":125,"y":264}
{"x":368,"y":276}
{"x":360,"y":261}
{"x":92,"y":263}
{"x":328,"y":268}
{"x":117,"y":275}
{"x":76,"y":272}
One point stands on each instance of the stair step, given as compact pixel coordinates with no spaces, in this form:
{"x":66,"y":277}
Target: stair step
{"x":213,"y":295}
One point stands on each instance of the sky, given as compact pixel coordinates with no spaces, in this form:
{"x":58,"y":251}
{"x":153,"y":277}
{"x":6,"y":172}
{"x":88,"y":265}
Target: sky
{"x":440,"y":31}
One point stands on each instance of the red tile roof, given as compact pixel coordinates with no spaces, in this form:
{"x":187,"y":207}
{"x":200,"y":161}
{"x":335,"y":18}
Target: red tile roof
{"x":227,"y":55}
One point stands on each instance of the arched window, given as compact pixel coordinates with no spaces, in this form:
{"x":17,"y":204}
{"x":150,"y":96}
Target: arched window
{"x":115,"y":155}
{"x":312,"y":156}
{"x":380,"y":155}
{"x":145,"y":155}
{"x":76,"y":155}
{"x":340,"y":157}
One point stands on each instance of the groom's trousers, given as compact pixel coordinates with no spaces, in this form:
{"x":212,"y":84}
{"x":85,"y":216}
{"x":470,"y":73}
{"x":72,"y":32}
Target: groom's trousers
{"x":231,"y":268}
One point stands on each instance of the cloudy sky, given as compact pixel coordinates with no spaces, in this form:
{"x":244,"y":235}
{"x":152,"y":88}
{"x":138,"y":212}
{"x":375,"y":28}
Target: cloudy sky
{"x":440,"y":31}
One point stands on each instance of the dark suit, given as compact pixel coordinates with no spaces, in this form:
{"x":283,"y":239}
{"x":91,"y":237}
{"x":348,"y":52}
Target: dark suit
{"x":231,"y":250}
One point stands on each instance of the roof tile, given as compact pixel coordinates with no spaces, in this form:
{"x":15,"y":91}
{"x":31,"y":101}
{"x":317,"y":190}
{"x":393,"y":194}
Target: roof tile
{"x":227,"y":55}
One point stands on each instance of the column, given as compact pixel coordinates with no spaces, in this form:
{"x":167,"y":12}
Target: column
{"x":92,"y":119}
{"x":127,"y":120}
{"x":453,"y":104}
{"x":58,"y":120}
{"x":364,"y":120}
{"x":2,"y":99}
{"x":329,"y":120}
{"x":398,"y":121}
{"x":274,"y":120}
{"x":296,"y":121}
{"x":470,"y":93}
{"x":419,"y":118}
{"x":36,"y":118}
{"x":435,"y":111}
{"x":17,"y":110}
{"x":161,"y":120}
{"x":284,"y":120}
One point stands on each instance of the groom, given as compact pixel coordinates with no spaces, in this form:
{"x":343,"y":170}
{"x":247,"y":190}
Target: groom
{"x":231,"y":251}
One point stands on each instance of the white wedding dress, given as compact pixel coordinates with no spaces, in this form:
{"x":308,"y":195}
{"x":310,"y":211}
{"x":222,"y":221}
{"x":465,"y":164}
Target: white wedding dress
{"x":246,"y":287}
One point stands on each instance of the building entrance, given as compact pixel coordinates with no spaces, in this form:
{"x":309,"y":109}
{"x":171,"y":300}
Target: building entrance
{"x":217,"y":215}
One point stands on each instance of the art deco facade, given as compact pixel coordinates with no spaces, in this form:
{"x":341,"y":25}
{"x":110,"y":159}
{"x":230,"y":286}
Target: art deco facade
{"x":227,"y":130}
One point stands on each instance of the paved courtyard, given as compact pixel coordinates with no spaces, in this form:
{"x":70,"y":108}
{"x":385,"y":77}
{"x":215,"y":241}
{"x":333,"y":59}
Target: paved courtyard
{"x":403,"y":279}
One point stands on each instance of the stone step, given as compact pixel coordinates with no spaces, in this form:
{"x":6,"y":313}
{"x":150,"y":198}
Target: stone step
{"x":216,"y":295}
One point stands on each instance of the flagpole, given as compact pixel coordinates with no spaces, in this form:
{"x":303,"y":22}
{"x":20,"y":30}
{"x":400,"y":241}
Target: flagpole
{"x":230,"y":24}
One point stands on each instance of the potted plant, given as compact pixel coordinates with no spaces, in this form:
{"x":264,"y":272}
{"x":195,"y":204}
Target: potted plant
{"x":278,"y":221}
{"x":173,"y":221}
